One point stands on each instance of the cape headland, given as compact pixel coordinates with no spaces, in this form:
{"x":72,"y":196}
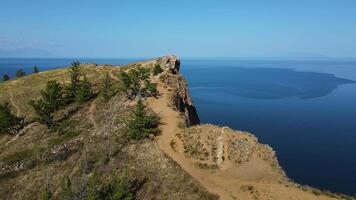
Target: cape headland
{"x":186,"y":160}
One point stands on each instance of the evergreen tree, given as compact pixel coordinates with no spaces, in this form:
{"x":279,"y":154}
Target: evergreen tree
{"x":20,"y":73}
{"x":75,"y":74}
{"x":51,"y":100}
{"x":135,"y":81}
{"x":142,"y":123}
{"x":66,"y":191}
{"x":35,"y":70}
{"x":5,"y":77}
{"x":106,"y":88}
{"x":9,"y":123}
{"x":84,"y":91}
{"x":125,"y":83}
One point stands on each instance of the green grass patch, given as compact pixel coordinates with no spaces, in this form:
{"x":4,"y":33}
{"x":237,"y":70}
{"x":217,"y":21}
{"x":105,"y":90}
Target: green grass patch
{"x":63,"y":138}
{"x":18,"y":156}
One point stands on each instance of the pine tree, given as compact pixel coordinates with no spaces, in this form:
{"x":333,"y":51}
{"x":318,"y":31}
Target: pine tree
{"x":35,"y":70}
{"x":142,"y":123}
{"x":106,"y":90}
{"x":9,"y":123}
{"x":5,"y":77}
{"x":134,"y":82}
{"x":51,"y":100}
{"x":84,"y":91}
{"x":20,"y":73}
{"x":75,"y":74}
{"x":125,"y":83}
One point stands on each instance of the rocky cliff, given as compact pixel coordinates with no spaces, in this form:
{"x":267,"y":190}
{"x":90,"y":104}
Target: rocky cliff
{"x":180,"y":97}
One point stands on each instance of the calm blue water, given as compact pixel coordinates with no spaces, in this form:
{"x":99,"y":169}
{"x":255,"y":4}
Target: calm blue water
{"x":306,"y":110}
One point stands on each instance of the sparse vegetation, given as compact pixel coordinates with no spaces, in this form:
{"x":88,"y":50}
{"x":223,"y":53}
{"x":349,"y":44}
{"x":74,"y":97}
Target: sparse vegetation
{"x":63,"y":138}
{"x":94,"y":186}
{"x":79,"y":90}
{"x":20,"y":73}
{"x":106,"y":88}
{"x":157,"y":69}
{"x":173,"y":143}
{"x":5,"y":77}
{"x":46,"y":193}
{"x":66,"y":191}
{"x":9,"y":123}
{"x":119,"y":187}
{"x":142,"y":123}
{"x":18,"y":156}
{"x":35,"y":70}
{"x":84,"y":92}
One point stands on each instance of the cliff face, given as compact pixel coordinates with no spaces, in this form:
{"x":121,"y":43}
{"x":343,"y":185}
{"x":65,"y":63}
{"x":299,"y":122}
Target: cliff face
{"x":180,"y":98}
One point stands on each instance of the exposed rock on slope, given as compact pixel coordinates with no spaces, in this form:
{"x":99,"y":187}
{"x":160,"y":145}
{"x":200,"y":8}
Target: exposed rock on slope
{"x":180,"y":97}
{"x":229,"y":163}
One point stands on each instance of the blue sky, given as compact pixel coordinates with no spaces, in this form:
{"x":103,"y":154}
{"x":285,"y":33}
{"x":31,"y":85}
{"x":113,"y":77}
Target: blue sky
{"x":199,"y":28}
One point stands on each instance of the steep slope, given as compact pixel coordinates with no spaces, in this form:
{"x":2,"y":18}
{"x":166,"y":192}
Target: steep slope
{"x":229,"y":163}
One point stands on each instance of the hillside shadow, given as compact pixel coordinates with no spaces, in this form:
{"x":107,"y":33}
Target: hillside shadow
{"x":264,"y":83}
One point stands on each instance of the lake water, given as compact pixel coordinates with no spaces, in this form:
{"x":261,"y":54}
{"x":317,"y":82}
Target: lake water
{"x":305,"y":110}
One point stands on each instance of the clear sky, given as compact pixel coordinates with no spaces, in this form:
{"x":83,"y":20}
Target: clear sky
{"x":188,"y":28}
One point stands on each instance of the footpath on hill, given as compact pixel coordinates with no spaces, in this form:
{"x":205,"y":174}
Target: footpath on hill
{"x":218,"y":182}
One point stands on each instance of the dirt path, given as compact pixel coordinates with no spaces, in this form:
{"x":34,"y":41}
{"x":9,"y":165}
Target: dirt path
{"x":170,"y":119}
{"x":224,"y":182}
{"x":18,"y":111}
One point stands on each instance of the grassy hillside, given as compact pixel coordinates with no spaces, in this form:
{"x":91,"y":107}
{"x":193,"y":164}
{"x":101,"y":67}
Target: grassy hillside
{"x":90,"y":140}
{"x":19,"y":91}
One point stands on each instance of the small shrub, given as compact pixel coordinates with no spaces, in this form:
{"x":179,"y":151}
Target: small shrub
{"x":151,"y":89}
{"x":181,"y":125}
{"x":35,"y":70}
{"x":157,"y":69}
{"x":5,"y":77}
{"x":173,"y":144}
{"x":20,"y":73}
{"x":9,"y":123}
{"x":119,"y":187}
{"x":316,"y":192}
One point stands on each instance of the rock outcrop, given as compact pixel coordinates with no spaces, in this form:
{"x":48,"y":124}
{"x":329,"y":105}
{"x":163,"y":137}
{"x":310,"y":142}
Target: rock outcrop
{"x":180,"y":98}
